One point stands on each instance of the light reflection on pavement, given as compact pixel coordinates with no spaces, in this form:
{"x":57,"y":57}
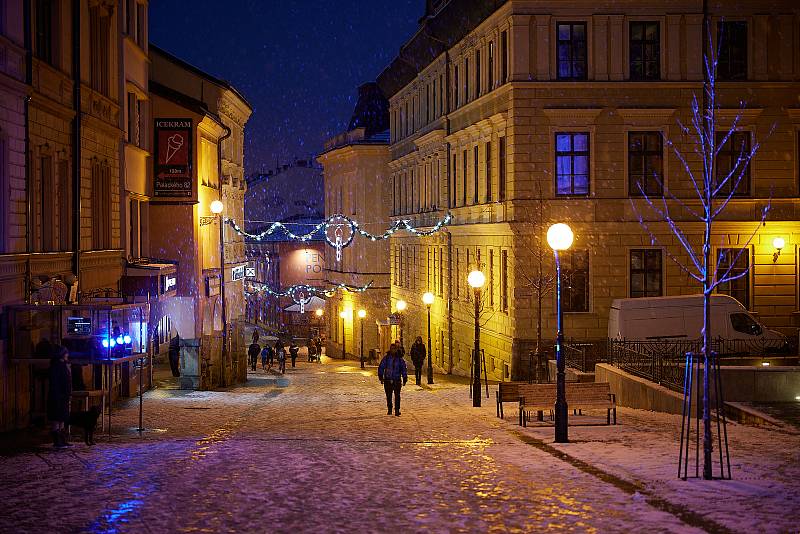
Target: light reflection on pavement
{"x":312,"y":451}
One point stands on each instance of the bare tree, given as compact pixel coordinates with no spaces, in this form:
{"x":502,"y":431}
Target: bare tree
{"x":714,"y":189}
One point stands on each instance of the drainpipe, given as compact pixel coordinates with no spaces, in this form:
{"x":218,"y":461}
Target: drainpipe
{"x":76,"y":140}
{"x":224,"y":355}
{"x":26,"y":15}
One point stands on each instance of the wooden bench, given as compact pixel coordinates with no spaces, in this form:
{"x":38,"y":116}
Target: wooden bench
{"x":507,"y":392}
{"x":580,"y":396}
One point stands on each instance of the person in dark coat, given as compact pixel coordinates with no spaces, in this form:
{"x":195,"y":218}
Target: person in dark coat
{"x":312,"y":350}
{"x":174,"y":355}
{"x":393,"y":375}
{"x":418,"y":358}
{"x":59,"y":394}
{"x":293,"y":351}
{"x":252,"y":352}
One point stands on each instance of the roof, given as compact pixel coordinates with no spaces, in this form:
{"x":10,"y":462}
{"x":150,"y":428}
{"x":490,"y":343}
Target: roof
{"x":188,"y":66}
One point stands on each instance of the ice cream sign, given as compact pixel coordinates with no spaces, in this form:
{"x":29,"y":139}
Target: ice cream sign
{"x":173,"y":162}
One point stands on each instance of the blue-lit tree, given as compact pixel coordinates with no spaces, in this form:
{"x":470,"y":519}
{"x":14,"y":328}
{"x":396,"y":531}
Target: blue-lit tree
{"x":714,"y":187}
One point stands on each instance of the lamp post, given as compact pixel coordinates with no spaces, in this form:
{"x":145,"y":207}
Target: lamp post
{"x":476,"y":279}
{"x":216,"y":208}
{"x":361,"y":315}
{"x":401,"y":307}
{"x":559,"y":237}
{"x":427,"y":299}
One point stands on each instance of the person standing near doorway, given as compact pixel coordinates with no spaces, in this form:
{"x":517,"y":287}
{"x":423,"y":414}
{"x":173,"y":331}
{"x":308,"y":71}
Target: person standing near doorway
{"x":393,"y":375}
{"x":293,"y":351}
{"x":418,"y":358}
{"x":253,"y":351}
{"x":59,"y":394}
{"x":174,"y":355}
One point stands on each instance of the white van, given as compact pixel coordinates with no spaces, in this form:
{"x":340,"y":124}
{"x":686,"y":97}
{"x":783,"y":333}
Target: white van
{"x":681,"y":317}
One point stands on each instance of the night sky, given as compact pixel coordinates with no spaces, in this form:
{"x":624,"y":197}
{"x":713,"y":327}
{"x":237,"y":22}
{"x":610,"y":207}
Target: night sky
{"x":298,"y":63}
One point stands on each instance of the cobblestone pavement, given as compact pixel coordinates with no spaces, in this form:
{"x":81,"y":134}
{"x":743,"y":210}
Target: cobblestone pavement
{"x":313,"y":451}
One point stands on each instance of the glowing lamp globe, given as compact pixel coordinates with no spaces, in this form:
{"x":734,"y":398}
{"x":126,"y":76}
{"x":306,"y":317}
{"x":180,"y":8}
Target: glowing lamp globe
{"x":476,"y":279}
{"x":778,"y":243}
{"x":559,"y":236}
{"x":343,"y":314}
{"x":362,"y":314}
{"x":319,"y":312}
{"x":217,"y":207}
{"x":427,"y":298}
{"x":401,"y":305}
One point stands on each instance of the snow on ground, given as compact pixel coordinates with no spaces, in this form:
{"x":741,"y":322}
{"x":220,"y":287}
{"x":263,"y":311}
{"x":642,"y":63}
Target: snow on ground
{"x":315,"y":451}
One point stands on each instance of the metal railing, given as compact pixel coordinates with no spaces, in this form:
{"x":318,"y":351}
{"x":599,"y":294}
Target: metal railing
{"x":582,"y":355}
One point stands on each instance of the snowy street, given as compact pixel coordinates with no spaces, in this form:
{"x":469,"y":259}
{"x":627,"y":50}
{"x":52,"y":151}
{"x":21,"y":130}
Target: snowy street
{"x":315,"y":451}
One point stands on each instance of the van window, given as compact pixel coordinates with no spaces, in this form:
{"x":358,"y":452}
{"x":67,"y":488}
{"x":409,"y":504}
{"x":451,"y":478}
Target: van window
{"x":742,"y":322}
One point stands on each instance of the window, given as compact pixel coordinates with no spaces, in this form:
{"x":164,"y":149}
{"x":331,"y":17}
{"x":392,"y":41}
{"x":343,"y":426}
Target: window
{"x":475,"y":173}
{"x":141,"y":25}
{"x":466,"y":81}
{"x":490,"y":67}
{"x":503,"y":57}
{"x":731,"y":157}
{"x":427,"y":104}
{"x":464,"y":181}
{"x":501,"y":185}
{"x":491,"y":278}
{"x":477,"y":73}
{"x":742,"y":322}
{"x":646,"y":273}
{"x":730,"y":265}
{"x":45,"y":11}
{"x":645,"y":51}
{"x":441,"y":94}
{"x":453,"y":192}
{"x":456,"y":102}
{"x":645,"y":164}
{"x":440,"y":272}
{"x":134,"y":237}
{"x":101,"y":205}
{"x":65,"y":205}
{"x":100,"y":44}
{"x":572,"y":51}
{"x":488,"y":156}
{"x":504,"y":280}
{"x":732,"y":39}
{"x":575,"y":280}
{"x":47,"y":194}
{"x":4,"y":201}
{"x":458,"y":274}
{"x":572,"y":163}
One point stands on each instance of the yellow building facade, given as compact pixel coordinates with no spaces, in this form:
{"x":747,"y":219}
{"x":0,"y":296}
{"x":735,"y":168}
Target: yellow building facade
{"x":543,"y":112}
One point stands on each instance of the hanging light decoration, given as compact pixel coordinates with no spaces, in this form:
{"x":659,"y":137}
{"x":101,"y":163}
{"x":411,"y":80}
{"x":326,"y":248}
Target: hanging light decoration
{"x":302,"y":293}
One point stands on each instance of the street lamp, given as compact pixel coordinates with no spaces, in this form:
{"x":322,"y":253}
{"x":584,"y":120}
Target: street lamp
{"x":401,"y":307}
{"x":361,"y":315}
{"x":476,"y":279}
{"x":427,"y":299}
{"x":559,"y":237}
{"x":216,"y":208}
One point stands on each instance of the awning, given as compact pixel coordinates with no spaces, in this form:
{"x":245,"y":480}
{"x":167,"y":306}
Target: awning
{"x":155,"y":280}
{"x":314,"y":304}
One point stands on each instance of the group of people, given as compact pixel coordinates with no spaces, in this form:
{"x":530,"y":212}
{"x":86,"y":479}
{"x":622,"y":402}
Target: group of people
{"x":270,"y":353}
{"x":393,"y":373}
{"x":315,"y":349}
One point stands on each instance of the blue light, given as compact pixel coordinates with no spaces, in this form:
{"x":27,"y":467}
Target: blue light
{"x":119,"y":340}
{"x":105,"y":343}
{"x":127,"y":339}
{"x":113,"y":343}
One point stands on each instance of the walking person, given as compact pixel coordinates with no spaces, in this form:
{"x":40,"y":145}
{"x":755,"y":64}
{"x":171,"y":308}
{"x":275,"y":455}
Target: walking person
{"x":418,"y":358}
{"x":280,"y":352}
{"x":393,"y":375}
{"x":266,"y":355}
{"x":59,"y":394}
{"x":253,"y":351}
{"x":174,"y":355}
{"x":293,"y":351}
{"x":312,"y":350}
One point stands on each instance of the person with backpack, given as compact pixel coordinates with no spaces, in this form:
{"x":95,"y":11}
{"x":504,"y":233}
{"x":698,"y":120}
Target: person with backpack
{"x":266,"y":358}
{"x":293,"y":351}
{"x":253,"y":351}
{"x":418,"y":358}
{"x":393,"y":375}
{"x":312,"y":350}
{"x":280,"y":352}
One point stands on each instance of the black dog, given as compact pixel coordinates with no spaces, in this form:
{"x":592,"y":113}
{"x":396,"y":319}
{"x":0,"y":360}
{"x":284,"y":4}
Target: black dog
{"x":87,"y":421}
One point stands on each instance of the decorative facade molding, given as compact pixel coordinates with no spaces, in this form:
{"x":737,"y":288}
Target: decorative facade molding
{"x":636,"y":116}
{"x":572,"y":115}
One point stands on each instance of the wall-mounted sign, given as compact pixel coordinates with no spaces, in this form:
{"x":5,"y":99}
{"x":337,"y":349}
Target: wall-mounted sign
{"x":237,"y":273}
{"x":250,"y":272}
{"x":173,"y":160}
{"x":168,"y":282}
{"x":79,"y":326}
{"x":212,"y":285}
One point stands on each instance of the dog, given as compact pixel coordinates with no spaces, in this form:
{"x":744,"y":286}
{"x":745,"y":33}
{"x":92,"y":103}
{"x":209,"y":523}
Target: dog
{"x":87,"y":420}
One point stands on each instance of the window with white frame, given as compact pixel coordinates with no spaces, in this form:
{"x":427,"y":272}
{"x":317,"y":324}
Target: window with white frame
{"x":572,"y":163}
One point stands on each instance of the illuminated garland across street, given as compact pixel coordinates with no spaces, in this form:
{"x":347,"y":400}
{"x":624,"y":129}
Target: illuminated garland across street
{"x":301,"y":293}
{"x":339,"y":222}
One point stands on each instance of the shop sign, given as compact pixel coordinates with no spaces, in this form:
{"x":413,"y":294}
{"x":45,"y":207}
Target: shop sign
{"x":173,"y":162}
{"x":237,"y":273}
{"x":168,"y":282}
{"x":79,"y":326}
{"x":250,"y":272}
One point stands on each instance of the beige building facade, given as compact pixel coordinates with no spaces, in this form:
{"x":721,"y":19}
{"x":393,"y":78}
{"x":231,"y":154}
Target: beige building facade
{"x":356,"y":177}
{"x":544,"y":112}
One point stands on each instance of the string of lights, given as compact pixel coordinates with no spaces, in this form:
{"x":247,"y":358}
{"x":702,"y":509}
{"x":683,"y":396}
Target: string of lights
{"x":302,"y":293}
{"x":339,"y":222}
